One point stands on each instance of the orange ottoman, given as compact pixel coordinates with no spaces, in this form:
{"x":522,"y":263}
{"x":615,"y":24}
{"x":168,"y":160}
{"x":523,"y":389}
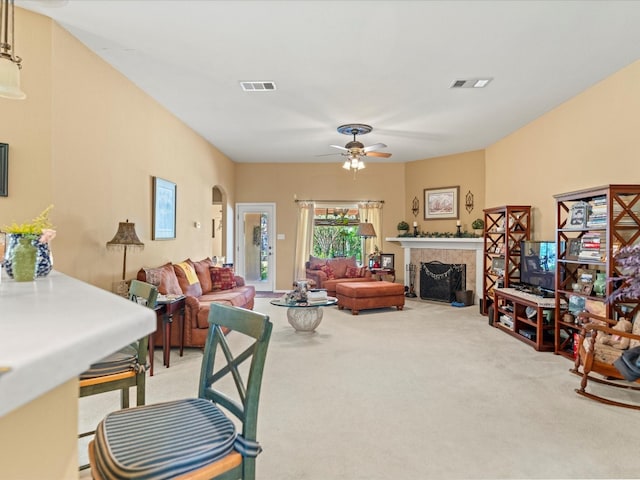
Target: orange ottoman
{"x":358,"y":296}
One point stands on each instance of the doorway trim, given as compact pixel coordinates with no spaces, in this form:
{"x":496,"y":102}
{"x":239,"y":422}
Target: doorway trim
{"x":270,"y":210}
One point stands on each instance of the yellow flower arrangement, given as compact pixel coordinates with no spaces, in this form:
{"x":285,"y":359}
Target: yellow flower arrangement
{"x":41,"y":225}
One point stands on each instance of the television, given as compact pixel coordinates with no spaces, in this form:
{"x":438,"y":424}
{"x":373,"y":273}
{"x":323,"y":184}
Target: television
{"x":538,"y":265}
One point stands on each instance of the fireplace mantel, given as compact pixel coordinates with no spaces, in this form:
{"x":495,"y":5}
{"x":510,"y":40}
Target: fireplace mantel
{"x":439,"y":243}
{"x":477,"y":244}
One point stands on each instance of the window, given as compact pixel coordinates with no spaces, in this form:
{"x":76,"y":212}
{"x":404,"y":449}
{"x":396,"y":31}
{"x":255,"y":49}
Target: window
{"x":335,"y":232}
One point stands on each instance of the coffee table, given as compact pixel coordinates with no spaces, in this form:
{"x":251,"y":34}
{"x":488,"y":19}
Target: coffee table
{"x":304,"y":317}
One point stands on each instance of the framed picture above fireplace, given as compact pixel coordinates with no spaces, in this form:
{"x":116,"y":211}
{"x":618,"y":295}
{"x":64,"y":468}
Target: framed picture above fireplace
{"x":441,"y":203}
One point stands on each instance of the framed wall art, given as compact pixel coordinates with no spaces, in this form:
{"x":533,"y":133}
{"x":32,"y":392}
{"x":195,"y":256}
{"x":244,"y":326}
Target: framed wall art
{"x":164,"y":209}
{"x":4,"y":169}
{"x":441,"y":203}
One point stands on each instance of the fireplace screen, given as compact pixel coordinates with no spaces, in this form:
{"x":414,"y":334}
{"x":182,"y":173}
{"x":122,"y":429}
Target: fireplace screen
{"x":440,"y":281}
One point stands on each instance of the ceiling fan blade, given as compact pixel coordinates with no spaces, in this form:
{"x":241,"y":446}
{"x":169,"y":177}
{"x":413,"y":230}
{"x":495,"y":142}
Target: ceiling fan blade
{"x":377,"y":154}
{"x":339,"y":147}
{"x":328,"y":154}
{"x":375,"y":146}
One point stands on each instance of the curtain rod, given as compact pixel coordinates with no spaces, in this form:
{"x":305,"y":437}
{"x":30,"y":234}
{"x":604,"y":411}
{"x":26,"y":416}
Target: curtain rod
{"x":340,"y":201}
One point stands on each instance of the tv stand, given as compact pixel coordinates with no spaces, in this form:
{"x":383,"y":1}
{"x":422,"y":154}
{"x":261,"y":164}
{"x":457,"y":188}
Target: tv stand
{"x":525,"y":316}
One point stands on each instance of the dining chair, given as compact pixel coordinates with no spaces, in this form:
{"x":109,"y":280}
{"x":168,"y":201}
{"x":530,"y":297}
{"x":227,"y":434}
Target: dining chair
{"x":125,"y":368}
{"x":195,"y":438}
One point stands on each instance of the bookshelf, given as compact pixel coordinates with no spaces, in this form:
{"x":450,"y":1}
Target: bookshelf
{"x":504,"y":228}
{"x":591,"y":225}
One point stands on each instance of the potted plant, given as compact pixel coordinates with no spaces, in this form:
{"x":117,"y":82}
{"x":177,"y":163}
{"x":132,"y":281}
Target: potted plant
{"x":478,"y":226}
{"x":403,"y":227}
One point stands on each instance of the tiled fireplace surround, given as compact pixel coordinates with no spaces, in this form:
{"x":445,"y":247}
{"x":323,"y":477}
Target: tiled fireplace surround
{"x":446,"y":250}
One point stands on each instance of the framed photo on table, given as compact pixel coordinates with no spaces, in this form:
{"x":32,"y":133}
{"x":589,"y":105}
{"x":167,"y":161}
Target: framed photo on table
{"x":578,"y":215}
{"x":164,"y":209}
{"x":387,"y":260}
{"x":441,"y":203}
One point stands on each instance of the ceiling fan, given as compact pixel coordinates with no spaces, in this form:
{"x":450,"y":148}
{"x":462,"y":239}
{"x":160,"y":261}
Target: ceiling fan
{"x":356,"y":148}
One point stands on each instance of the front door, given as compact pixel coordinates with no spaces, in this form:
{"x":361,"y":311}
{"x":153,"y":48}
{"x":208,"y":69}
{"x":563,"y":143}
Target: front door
{"x":255,"y":233}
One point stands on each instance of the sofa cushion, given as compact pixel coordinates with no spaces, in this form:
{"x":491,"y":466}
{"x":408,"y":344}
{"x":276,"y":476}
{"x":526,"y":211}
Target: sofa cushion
{"x":204,"y":275}
{"x":164,"y":278}
{"x":316,"y":263}
{"x":340,"y":265}
{"x":222,"y":278}
{"x":355,"y":272}
{"x":187,"y":278}
{"x":328,"y":271}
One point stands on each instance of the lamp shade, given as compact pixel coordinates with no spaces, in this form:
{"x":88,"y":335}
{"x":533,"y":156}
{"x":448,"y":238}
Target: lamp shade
{"x":366,"y":230}
{"x":126,"y":236}
{"x":10,"y":80}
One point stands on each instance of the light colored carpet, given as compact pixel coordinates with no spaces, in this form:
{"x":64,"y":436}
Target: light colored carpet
{"x":431,"y":392}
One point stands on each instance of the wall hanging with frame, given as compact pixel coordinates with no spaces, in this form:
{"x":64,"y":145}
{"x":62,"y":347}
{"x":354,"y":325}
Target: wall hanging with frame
{"x":164,"y":209}
{"x":4,"y":169}
{"x":441,"y":203}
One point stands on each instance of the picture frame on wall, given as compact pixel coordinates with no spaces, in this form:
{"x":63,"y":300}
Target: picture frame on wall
{"x":441,"y":203}
{"x":164,"y":209}
{"x":4,"y":169}
{"x":387,"y":260}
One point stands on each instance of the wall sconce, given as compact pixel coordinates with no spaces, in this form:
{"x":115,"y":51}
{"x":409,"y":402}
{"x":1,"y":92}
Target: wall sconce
{"x":415,"y":206}
{"x":468,"y":201}
{"x":9,"y":61}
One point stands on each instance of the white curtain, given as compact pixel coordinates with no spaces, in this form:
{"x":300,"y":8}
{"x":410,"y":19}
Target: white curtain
{"x":371,"y":212}
{"x":304,"y":238}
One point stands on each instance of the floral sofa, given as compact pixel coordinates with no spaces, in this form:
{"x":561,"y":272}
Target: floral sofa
{"x":202,"y":283}
{"x":327,"y":273}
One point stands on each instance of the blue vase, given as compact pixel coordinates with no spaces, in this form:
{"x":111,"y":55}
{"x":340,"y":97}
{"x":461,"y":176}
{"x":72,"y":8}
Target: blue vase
{"x":44,"y":260}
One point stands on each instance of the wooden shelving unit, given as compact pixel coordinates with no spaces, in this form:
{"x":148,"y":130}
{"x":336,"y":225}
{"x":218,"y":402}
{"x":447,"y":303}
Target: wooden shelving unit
{"x":585,"y":248}
{"x":504,"y":228}
{"x":527,"y":317}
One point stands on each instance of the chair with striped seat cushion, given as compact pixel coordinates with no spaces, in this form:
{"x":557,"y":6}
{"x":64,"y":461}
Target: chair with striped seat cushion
{"x":125,"y":368}
{"x":195,"y":438}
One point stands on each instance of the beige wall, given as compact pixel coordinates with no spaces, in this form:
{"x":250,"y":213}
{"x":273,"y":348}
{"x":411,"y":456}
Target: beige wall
{"x":283,"y":183}
{"x":464,"y":170}
{"x":89,"y":141}
{"x":591,"y":140}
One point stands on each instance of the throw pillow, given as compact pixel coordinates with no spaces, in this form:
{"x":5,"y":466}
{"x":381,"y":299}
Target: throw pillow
{"x":187,"y":279}
{"x":164,"y":278}
{"x":355,"y":272}
{"x":222,"y":278}
{"x":204,"y":276}
{"x":328,"y":272}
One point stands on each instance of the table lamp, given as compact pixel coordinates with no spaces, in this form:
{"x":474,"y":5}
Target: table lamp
{"x":125,"y":238}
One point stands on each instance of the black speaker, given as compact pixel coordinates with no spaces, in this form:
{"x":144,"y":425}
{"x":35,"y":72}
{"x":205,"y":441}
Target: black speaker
{"x":491,"y":312}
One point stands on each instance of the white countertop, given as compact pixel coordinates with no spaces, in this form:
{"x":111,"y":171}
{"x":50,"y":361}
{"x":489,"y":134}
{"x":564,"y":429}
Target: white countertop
{"x":53,"y":328}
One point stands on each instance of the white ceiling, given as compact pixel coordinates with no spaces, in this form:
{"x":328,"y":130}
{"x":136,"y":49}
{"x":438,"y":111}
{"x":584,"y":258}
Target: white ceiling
{"x":385,"y":63}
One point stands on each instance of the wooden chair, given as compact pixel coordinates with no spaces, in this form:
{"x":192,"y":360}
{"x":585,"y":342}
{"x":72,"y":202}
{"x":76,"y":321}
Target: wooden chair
{"x":195,"y":438}
{"x":125,"y":368}
{"x":594,"y":357}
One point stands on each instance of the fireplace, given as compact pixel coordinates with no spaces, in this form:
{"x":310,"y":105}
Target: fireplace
{"x":440,"y":281}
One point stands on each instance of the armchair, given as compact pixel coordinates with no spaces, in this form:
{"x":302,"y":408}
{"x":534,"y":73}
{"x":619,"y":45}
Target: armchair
{"x":598,"y":356}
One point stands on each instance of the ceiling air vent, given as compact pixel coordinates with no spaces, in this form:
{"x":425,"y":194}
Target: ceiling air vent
{"x":471,"y":83}
{"x":258,"y":86}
